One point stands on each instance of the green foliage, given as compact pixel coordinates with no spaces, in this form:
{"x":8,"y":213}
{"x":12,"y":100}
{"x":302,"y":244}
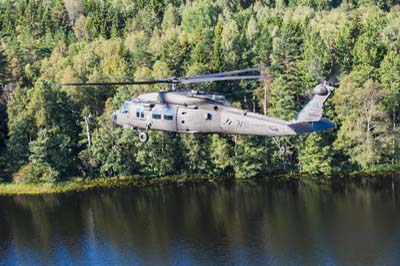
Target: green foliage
{"x":315,"y":156}
{"x":175,"y":52}
{"x":249,"y":157}
{"x":158,"y":156}
{"x":43,"y":133}
{"x":59,"y":16}
{"x":363,"y":134}
{"x":34,"y":173}
{"x":42,"y":122}
{"x":199,"y":15}
{"x":390,"y":79}
{"x":196,"y":154}
{"x":345,"y":41}
{"x":111,"y":150}
{"x":52,"y":149}
{"x":217,"y":58}
{"x":221,"y":153}
{"x":3,"y":101}
{"x":286,"y":54}
{"x":3,"y":66}
{"x":317,"y":60}
{"x":20,"y":129}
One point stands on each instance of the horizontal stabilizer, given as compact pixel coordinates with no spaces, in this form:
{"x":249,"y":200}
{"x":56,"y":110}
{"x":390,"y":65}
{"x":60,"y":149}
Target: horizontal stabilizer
{"x":308,"y":127}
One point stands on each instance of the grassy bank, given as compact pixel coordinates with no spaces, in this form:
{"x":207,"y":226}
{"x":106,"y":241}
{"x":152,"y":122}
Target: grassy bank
{"x":82,"y":184}
{"x":378,"y":173}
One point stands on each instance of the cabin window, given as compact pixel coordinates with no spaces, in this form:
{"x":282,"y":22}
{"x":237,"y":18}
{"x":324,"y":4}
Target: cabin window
{"x":156,"y":113}
{"x":208,"y":116}
{"x":139,"y":112}
{"x":168,"y":114}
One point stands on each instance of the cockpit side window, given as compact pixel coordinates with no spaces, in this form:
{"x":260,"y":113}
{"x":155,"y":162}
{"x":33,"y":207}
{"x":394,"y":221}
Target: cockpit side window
{"x":125,"y":107}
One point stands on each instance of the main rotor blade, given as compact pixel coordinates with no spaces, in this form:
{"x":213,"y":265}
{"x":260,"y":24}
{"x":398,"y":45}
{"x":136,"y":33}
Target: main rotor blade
{"x":207,"y":79}
{"x":220,"y":74}
{"x":223,"y":76}
{"x":229,"y":73}
{"x":143,"y":82}
{"x":115,"y":76}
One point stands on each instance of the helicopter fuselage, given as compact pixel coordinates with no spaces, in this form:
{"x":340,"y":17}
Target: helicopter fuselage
{"x":204,"y":119}
{"x":201,"y":112}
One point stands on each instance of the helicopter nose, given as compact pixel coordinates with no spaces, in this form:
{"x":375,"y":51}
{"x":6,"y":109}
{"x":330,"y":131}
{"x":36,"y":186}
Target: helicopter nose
{"x":114,"y":117}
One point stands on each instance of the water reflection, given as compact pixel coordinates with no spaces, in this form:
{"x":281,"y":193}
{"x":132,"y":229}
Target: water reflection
{"x":233,"y":224}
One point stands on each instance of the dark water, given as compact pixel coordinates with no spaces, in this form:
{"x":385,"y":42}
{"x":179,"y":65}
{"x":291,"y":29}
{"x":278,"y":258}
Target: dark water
{"x":232,"y":224}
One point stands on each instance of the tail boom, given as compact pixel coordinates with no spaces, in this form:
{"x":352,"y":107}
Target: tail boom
{"x":308,"y":127}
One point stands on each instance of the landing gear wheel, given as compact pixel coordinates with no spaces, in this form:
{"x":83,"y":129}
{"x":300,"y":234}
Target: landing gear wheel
{"x":143,"y":137}
{"x":172,"y":134}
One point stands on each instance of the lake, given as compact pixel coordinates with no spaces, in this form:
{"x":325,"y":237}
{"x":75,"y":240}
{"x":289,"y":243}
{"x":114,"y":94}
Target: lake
{"x":242,"y":223}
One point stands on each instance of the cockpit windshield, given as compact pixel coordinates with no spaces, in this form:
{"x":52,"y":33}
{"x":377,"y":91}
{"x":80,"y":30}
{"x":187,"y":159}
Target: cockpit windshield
{"x":124,"y":108}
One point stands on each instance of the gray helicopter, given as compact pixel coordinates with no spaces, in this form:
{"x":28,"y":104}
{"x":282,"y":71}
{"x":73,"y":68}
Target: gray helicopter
{"x":193,"y":111}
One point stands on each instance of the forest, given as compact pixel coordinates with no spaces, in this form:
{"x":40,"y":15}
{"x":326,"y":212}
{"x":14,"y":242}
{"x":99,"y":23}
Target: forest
{"x":43,"y":126}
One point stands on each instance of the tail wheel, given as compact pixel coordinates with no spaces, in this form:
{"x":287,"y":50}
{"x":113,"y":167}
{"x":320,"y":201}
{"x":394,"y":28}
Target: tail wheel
{"x":143,"y":137}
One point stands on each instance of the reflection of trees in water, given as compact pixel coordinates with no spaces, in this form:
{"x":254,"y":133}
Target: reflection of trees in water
{"x":36,"y":222}
{"x":210,"y":221}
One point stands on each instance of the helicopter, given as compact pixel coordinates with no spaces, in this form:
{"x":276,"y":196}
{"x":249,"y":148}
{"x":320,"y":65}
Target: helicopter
{"x":195,"y":111}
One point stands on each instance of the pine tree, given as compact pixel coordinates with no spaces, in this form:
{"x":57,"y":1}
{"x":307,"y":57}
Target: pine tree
{"x":249,"y":157}
{"x":345,"y":42}
{"x":286,"y":88}
{"x":59,"y":17}
{"x":157,"y":157}
{"x":41,"y":152}
{"x":221,"y":153}
{"x":315,"y":157}
{"x":196,"y":154}
{"x":390,"y":81}
{"x":217,"y":63}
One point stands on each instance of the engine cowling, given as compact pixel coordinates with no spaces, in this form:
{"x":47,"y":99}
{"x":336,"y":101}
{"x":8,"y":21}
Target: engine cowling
{"x":184,"y":98}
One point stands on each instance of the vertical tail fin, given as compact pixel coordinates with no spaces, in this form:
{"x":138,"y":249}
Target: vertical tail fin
{"x":314,"y":109}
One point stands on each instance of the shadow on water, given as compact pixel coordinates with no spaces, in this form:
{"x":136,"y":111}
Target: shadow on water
{"x":243,"y":223}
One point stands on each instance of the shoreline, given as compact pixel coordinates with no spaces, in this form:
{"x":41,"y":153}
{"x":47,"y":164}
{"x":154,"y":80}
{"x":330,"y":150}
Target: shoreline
{"x":79,"y":184}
